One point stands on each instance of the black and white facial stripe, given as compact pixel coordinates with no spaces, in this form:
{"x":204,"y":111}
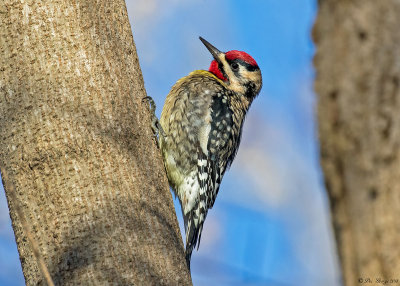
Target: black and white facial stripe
{"x":236,"y":63}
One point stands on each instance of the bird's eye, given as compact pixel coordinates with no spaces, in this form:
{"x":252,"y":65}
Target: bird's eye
{"x":234,"y":66}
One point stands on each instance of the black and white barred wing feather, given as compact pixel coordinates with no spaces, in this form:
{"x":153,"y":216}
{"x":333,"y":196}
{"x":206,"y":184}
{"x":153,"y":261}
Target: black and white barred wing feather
{"x":197,"y":216}
{"x":210,"y":168}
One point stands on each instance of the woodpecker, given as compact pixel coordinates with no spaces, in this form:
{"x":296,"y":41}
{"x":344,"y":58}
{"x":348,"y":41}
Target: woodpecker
{"x":200,"y":130}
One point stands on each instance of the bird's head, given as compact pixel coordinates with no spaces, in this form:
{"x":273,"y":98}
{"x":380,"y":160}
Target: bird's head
{"x":237,"y":69}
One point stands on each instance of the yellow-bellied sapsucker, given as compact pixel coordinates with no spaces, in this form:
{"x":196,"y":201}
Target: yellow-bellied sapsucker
{"x":201,"y":126}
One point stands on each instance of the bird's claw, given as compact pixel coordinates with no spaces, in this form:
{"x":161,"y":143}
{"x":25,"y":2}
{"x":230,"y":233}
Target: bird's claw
{"x":155,"y":123}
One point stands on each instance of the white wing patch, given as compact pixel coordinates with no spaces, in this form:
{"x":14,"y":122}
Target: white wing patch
{"x":204,"y":133}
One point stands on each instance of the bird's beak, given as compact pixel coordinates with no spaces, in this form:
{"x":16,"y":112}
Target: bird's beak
{"x":213,"y":50}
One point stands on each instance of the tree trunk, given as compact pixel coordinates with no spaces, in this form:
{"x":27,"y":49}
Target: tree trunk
{"x":77,"y":146}
{"x":357,"y":80}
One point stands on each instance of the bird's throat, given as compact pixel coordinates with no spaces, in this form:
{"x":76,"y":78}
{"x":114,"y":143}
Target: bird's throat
{"x":214,"y":68}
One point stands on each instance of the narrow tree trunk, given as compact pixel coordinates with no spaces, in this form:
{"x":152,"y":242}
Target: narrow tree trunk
{"x":76,"y":144}
{"x":357,"y":80}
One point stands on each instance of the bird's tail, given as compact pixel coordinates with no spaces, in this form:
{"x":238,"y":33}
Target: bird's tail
{"x":193,"y":235}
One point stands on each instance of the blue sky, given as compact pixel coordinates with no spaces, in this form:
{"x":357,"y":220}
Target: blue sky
{"x":270,"y":224}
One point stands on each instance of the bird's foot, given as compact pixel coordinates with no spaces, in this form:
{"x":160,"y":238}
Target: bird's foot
{"x":155,"y":123}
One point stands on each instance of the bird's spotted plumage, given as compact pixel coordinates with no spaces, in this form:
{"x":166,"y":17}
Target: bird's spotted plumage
{"x":202,"y":120}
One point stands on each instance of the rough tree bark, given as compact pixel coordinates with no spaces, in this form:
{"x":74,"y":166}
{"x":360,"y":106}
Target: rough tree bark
{"x":357,"y":80}
{"x":76,"y":144}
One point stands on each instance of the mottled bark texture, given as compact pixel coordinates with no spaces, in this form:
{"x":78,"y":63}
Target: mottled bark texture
{"x":77,"y":145}
{"x":357,"y":81}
